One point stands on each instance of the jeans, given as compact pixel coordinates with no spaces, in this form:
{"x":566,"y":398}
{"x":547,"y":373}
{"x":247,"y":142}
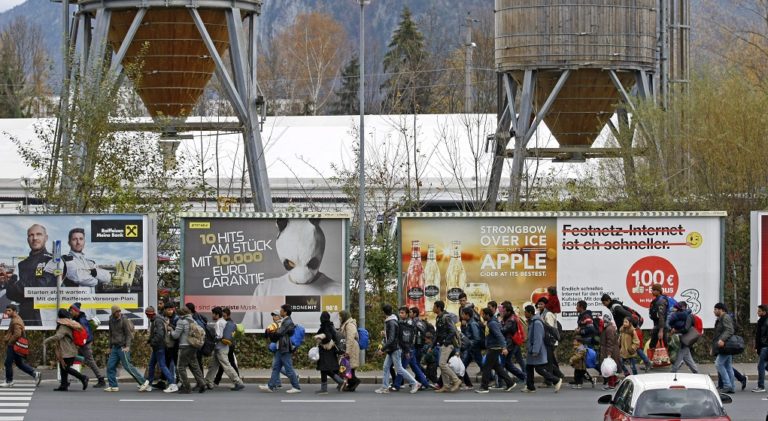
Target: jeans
{"x":684,"y":356}
{"x":738,"y":376}
{"x":279,"y":361}
{"x":449,"y":377}
{"x":171,"y":356}
{"x":12,"y":358}
{"x":87,"y":354}
{"x":418,"y":373}
{"x":158,"y":358}
{"x":220,"y":359}
{"x":514,"y":353}
{"x":641,"y":354}
{"x":633,"y":364}
{"x":188,"y":358}
{"x":492,"y":363}
{"x":761,"y":367}
{"x":466,"y":358}
{"x":395,"y":359}
{"x":117,"y":355}
{"x":724,"y":365}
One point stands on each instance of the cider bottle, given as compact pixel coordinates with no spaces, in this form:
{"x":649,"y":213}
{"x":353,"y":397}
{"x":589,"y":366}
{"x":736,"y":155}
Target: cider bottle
{"x":414,"y":287}
{"x":455,"y":278}
{"x":431,"y":284}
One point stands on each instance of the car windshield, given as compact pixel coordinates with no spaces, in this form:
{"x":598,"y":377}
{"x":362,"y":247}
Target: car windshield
{"x":678,"y":403}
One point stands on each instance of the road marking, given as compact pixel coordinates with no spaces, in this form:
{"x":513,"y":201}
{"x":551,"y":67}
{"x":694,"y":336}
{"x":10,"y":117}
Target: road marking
{"x":12,"y":411}
{"x":19,"y":389}
{"x":155,"y":400}
{"x":5,"y":404}
{"x":15,"y":398}
{"x":11,"y":418}
{"x":318,"y":401}
{"x":15,"y":393}
{"x":480,"y":400}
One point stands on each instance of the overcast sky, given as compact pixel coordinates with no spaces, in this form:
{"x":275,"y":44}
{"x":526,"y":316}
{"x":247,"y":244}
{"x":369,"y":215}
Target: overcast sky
{"x":9,"y":4}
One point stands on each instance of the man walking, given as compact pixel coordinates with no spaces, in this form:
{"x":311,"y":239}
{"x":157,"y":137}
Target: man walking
{"x":187,"y":354}
{"x":658,"y":312}
{"x":514,"y":339}
{"x":537,"y":352}
{"x":393,"y":351}
{"x":551,"y":320}
{"x":723,"y":331}
{"x":15,"y":331}
{"x":471,"y":345}
{"x":761,"y":346}
{"x":229,"y":336}
{"x":409,"y":350}
{"x":158,"y":339}
{"x":495,"y":346}
{"x":283,"y":357}
{"x":85,"y":350}
{"x":446,"y":339}
{"x":120,"y":337}
{"x":681,"y":322}
{"x":220,"y":354}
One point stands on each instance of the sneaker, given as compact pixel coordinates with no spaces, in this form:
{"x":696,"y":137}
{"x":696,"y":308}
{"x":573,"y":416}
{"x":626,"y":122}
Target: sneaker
{"x":145,"y":387}
{"x":558,"y":385}
{"x":465,"y":388}
{"x":415,"y":388}
{"x":293,"y":390}
{"x":758,"y":390}
{"x":606,"y":387}
{"x":744,"y":382}
{"x":238,"y":387}
{"x":100,"y":383}
{"x":266,"y":388}
{"x":526,"y":390}
{"x":112,"y":389}
{"x":171,"y":389}
{"x":482,"y":391}
{"x":39,"y":378}
{"x":512,"y":387}
{"x":576,"y":386}
{"x":393,"y":389}
{"x":382,"y":391}
{"x":7,"y":384}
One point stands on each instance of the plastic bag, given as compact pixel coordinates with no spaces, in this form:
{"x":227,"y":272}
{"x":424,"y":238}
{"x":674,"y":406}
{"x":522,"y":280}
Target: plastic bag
{"x":314,"y":354}
{"x":456,"y":365}
{"x":608,"y":367}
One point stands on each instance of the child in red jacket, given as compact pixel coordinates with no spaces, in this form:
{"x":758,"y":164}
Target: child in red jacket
{"x":553,"y":303}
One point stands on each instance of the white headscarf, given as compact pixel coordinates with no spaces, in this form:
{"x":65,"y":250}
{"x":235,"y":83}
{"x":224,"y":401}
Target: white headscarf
{"x":608,"y":319}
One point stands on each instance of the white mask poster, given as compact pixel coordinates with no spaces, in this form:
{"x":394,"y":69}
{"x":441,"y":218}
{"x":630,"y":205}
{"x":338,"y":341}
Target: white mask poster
{"x":255,"y":263}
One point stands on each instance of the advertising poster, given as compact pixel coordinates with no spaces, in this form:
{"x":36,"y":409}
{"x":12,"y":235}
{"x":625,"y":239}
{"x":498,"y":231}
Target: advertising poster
{"x":759,"y":259}
{"x":96,"y":260}
{"x":624,"y":257}
{"x":517,"y":256}
{"x":255,"y":264}
{"x":488,"y":258}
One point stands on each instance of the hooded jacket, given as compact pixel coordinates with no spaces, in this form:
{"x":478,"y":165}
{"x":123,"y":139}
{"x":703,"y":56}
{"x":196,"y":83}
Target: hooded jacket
{"x":628,"y":342}
{"x":181,"y":331}
{"x":534,"y":344}
{"x":390,"y":334}
{"x":157,"y":333}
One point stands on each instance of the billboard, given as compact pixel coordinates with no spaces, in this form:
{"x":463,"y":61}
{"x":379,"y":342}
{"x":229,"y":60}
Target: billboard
{"x":759,"y":260}
{"x":254,"y":263}
{"x":95,"y":260}
{"x":517,"y":256}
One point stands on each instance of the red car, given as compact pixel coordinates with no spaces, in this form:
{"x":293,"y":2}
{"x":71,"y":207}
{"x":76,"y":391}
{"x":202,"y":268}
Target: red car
{"x":666,"y":396}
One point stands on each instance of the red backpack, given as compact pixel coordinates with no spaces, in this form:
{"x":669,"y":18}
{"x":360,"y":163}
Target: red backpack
{"x":79,"y":337}
{"x":519,"y":337}
{"x":698,"y":324}
{"x":600,"y":325}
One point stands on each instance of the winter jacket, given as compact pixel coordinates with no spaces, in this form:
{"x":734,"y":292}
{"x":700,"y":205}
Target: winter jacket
{"x":120,"y":332}
{"x":658,"y":311}
{"x":628,"y":342}
{"x":472,"y":337}
{"x":283,"y":335}
{"x":181,"y":331}
{"x":157,"y":333}
{"x":609,"y":343}
{"x":761,"y":333}
{"x":579,"y":358}
{"x":390,"y":335}
{"x":348,"y":331}
{"x":680,"y":320}
{"x":445,"y":331}
{"x":586,"y":327}
{"x":66,"y":346}
{"x":15,"y":330}
{"x":536,"y":352}
{"x":494,"y":339}
{"x":619,"y":312}
{"x":327,"y":339}
{"x":723,"y":331}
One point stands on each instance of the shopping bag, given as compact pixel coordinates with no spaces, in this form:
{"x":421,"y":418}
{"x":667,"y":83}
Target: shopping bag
{"x":314,"y":354}
{"x":608,"y":367}
{"x":661,"y":355}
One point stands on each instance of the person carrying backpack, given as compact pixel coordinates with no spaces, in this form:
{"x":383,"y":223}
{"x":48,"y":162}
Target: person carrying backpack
{"x":120,"y":337}
{"x":283,"y":358}
{"x":187,"y":353}
{"x":658,"y":313}
{"x":229,"y":335}
{"x":617,"y":309}
{"x":472,"y":343}
{"x":537,"y":352}
{"x":220,"y":354}
{"x":550,"y":319}
{"x":680,"y":322}
{"x":586,"y":324}
{"x":157,"y":342}
{"x":202,"y":321}
{"x":85,"y":350}
{"x":391,"y":348}
{"x":66,"y":350}
{"x":171,"y":348}
{"x":408,"y":347}
{"x":514,"y":331}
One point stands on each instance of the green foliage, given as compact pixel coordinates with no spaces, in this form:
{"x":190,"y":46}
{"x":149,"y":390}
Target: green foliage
{"x":347,"y":101}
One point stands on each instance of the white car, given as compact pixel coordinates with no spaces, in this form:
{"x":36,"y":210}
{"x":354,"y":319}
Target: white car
{"x":666,"y":396}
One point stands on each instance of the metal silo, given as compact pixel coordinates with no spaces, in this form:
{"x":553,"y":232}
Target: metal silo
{"x":570,"y":63}
{"x":179,"y":44}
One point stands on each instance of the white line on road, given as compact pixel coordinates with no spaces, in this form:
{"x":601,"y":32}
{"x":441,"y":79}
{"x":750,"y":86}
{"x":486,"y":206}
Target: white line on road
{"x":317,"y":401}
{"x":15,"y":398}
{"x":8,"y":404}
{"x":19,"y":389}
{"x":16,"y":393}
{"x":12,"y":411}
{"x":155,"y":400}
{"x":11,"y":418}
{"x":481,"y":400}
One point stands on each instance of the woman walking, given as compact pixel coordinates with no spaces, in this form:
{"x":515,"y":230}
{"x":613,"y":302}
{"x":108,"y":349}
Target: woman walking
{"x":328,"y":364}
{"x":609,"y":347}
{"x":66,"y":351}
{"x":348,"y":333}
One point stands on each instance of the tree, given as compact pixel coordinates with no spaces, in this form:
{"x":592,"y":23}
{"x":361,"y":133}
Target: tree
{"x":23,"y":70}
{"x":408,"y":85}
{"x":303,"y":62}
{"x":347,"y":101}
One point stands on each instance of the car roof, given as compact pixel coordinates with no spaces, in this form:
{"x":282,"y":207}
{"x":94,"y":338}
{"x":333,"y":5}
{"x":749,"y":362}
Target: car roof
{"x":653,"y":381}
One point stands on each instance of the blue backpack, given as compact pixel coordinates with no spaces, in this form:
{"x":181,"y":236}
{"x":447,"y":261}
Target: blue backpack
{"x":671,"y":302}
{"x":298,"y":336}
{"x":591,"y":358}
{"x":362,"y":338}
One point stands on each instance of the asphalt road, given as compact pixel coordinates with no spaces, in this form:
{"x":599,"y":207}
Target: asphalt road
{"x":128,"y":404}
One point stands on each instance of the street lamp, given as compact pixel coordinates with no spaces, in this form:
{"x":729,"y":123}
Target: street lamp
{"x":361,"y":200}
